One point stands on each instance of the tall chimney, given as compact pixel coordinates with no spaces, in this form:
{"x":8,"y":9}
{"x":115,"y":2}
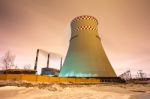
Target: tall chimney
{"x":60,"y":63}
{"x":48,"y":60}
{"x":36,"y":60}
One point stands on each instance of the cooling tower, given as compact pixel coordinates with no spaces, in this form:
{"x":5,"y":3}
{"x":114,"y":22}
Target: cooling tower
{"x":86,"y":56}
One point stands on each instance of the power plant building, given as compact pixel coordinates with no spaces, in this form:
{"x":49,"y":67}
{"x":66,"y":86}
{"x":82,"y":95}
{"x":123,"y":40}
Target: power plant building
{"x":86,"y":56}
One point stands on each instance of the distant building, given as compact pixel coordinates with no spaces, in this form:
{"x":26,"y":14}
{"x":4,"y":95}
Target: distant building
{"x":50,"y":71}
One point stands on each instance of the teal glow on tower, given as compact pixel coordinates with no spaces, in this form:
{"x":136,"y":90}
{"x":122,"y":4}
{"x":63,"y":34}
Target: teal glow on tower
{"x":86,"y":56}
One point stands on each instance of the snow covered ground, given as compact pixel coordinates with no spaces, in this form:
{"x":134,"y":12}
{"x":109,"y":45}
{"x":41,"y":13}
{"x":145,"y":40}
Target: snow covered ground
{"x":57,"y":91}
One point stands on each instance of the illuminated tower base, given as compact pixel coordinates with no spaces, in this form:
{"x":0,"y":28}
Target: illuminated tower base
{"x":86,"y":56}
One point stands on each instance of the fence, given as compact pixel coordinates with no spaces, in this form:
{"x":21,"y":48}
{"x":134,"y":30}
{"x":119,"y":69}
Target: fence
{"x":38,"y":78}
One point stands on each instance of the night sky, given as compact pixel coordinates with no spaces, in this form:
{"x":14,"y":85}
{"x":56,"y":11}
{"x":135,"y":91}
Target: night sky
{"x":124,"y":27}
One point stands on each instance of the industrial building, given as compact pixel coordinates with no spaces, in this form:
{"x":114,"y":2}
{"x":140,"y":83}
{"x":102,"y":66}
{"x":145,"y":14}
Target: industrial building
{"x":47,"y":70}
{"x":50,"y":71}
{"x":85,"y":59}
{"x":86,"y":56}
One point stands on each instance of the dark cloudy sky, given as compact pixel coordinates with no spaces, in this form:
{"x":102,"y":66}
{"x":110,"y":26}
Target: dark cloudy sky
{"x":124,"y":27}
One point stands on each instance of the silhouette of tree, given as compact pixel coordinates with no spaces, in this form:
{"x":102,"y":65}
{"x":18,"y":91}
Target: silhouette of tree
{"x":8,"y":60}
{"x":27,"y":66}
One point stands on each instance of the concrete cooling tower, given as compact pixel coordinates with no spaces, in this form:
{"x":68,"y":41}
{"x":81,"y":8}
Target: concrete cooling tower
{"x":86,"y":56}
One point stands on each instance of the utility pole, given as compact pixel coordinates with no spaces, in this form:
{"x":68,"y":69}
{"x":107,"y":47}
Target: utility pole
{"x":141,"y":74}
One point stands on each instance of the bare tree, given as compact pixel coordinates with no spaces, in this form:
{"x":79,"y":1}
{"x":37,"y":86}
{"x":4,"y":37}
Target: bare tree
{"x":27,"y":66}
{"x":8,"y":60}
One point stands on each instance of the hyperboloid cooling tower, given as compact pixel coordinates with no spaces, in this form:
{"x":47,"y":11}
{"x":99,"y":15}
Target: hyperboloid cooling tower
{"x":86,"y":56}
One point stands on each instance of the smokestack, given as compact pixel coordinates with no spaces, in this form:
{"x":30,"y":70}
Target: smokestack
{"x":48,"y":60}
{"x":60,"y":63}
{"x":36,"y":60}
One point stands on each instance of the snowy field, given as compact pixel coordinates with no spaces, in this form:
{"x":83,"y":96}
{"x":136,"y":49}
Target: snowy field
{"x":72,"y":91}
